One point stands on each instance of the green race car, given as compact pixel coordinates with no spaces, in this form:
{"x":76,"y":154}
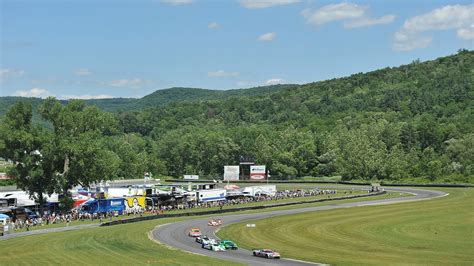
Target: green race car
{"x":229,"y":244}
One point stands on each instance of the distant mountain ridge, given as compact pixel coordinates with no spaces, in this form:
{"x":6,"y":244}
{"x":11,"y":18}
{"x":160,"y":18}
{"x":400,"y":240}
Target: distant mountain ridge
{"x":158,"y":98}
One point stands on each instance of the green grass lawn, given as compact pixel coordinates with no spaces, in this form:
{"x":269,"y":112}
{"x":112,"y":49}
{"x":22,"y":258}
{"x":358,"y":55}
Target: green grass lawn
{"x":121,"y":244}
{"x":115,"y":245}
{"x":432,"y":232}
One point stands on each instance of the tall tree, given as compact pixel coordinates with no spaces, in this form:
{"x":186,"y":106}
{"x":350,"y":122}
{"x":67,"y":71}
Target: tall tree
{"x":81,"y":154}
{"x":30,"y":148}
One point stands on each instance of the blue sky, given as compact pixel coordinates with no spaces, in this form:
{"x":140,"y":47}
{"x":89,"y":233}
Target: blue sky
{"x":97,"y":49}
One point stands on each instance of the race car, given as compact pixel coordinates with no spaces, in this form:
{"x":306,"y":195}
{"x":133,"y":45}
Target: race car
{"x":202,"y":239}
{"x":205,"y":240}
{"x":215,"y":222}
{"x":229,"y":244}
{"x":214,"y":246}
{"x":266,"y":253}
{"x":195,"y":232}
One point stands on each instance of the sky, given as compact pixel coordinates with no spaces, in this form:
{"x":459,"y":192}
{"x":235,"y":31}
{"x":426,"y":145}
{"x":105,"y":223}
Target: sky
{"x":115,"y":48}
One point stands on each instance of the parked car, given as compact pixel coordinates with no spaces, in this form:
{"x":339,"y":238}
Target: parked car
{"x":266,"y":253}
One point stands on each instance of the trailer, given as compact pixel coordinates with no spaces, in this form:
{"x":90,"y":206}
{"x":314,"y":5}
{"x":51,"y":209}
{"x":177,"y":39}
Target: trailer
{"x":211,"y":195}
{"x":104,"y":205}
{"x":255,"y":191}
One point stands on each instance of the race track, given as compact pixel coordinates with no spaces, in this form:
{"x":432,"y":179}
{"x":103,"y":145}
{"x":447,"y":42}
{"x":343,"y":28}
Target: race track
{"x":176,"y":236}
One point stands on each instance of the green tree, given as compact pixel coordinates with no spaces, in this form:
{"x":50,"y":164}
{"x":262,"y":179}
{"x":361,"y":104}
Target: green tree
{"x":80,"y":154}
{"x":30,"y":148}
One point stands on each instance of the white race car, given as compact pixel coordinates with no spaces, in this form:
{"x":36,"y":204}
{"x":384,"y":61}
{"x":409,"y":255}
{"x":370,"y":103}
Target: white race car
{"x":202,"y":240}
{"x":205,"y":240}
{"x":214,"y":246}
{"x":266,"y":253}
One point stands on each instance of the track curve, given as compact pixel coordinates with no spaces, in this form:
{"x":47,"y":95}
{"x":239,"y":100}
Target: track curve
{"x":175,"y":234}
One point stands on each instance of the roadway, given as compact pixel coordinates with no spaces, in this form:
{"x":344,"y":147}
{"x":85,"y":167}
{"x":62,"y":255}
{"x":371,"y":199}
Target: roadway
{"x":175,"y":235}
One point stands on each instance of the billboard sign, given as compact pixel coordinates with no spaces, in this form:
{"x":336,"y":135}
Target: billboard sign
{"x":257,"y":172}
{"x":135,"y":203}
{"x":231,"y":172}
{"x":193,"y":177}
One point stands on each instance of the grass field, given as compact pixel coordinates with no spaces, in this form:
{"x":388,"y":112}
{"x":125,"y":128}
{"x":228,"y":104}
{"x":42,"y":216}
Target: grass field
{"x":433,"y":232}
{"x":121,"y":244}
{"x":116,"y":245}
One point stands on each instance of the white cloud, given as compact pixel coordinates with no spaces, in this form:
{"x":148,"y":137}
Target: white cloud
{"x":404,"y":41}
{"x":222,"y":73}
{"x":177,"y":2}
{"x":450,"y":17}
{"x":353,"y":15}
{"x":259,"y":4}
{"x":333,"y":12}
{"x":213,"y":25}
{"x":6,"y":73}
{"x":444,"y":18}
{"x":274,"y":81}
{"x":466,"y":33}
{"x":366,"y":21}
{"x":133,"y":83}
{"x":35,"y":92}
{"x":86,"y":96}
{"x":267,"y":37}
{"x":83,"y":72}
{"x":246,"y":83}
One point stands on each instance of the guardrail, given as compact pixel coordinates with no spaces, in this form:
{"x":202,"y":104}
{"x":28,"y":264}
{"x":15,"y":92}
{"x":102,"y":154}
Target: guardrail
{"x":160,"y":216}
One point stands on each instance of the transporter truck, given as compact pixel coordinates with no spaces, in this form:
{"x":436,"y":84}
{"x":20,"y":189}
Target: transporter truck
{"x":104,"y":205}
{"x":211,"y":195}
{"x":254,"y":191}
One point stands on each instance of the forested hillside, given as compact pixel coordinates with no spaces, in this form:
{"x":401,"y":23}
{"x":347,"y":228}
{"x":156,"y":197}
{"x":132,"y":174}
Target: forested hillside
{"x":157,"y":98}
{"x":413,"y":121}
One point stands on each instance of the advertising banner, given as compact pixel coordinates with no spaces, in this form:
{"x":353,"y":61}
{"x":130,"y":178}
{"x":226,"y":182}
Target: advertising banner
{"x":135,"y":203}
{"x":231,"y":172}
{"x":192,"y":177}
{"x":257,"y":172}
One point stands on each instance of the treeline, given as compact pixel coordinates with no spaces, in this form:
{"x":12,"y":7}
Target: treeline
{"x":413,"y":121}
{"x":158,"y":98}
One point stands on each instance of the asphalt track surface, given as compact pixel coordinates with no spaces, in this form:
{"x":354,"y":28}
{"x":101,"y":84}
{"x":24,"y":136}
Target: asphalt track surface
{"x":175,"y":235}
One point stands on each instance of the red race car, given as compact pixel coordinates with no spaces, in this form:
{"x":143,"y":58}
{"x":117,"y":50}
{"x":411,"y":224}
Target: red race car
{"x":266,"y":253}
{"x":195,"y":232}
{"x":215,"y":222}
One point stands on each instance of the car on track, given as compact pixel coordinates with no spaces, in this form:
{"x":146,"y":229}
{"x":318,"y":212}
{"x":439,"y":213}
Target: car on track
{"x":229,"y":244}
{"x":215,"y":222}
{"x":205,"y":240}
{"x":202,"y":239}
{"x":194,"y":232}
{"x":214,"y":246}
{"x":266,"y":253}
